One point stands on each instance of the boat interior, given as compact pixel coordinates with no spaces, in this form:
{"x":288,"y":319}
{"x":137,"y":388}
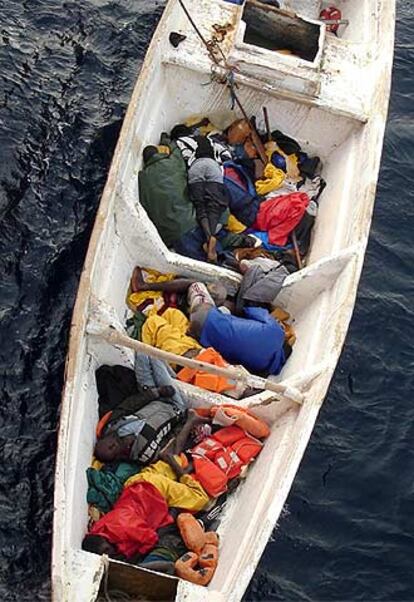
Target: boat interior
{"x":319,"y":297}
{"x":306,"y":295}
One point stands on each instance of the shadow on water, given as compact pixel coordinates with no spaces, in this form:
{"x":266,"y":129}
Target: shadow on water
{"x":67,"y":71}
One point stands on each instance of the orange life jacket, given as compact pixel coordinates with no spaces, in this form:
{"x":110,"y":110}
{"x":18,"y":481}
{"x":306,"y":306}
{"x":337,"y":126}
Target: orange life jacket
{"x":219,"y":458}
{"x":229,"y":435}
{"x":204,"y":380}
{"x":246,"y":420}
{"x":102,"y":423}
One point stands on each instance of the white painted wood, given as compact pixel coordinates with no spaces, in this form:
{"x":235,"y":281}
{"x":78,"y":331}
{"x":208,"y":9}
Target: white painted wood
{"x":338,"y":112}
{"x":307,"y":8}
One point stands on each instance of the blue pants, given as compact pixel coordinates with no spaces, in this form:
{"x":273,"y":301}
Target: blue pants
{"x":155,"y":373}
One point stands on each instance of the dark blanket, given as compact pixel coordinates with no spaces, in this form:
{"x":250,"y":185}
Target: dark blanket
{"x":118,"y":388}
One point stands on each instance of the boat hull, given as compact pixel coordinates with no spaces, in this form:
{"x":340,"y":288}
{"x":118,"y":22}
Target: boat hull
{"x":348,"y":138}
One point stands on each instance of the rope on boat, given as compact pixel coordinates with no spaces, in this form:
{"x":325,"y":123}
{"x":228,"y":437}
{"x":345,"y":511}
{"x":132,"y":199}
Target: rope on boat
{"x":210,"y":45}
{"x":213,"y":47}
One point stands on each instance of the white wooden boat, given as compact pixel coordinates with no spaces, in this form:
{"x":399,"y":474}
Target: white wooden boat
{"x":336,"y":107}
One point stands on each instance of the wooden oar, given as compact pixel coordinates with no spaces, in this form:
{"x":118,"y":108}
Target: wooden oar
{"x":258,"y":144}
{"x":267,"y":124}
{"x":115,"y":337}
{"x":296,"y":249}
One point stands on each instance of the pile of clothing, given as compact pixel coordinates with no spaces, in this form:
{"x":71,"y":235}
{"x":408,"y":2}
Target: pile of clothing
{"x":210,"y":192}
{"x":203,"y":321}
{"x":161,"y":473}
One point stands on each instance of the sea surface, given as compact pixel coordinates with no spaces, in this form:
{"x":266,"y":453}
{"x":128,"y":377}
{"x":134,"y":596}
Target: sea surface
{"x":67,"y":70}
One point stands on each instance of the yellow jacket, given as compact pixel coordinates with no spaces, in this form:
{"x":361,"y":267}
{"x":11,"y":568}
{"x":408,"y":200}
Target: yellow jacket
{"x":150,"y":276}
{"x":233,"y":225}
{"x":273,"y":179}
{"x":168,"y":332}
{"x":186,"y":494}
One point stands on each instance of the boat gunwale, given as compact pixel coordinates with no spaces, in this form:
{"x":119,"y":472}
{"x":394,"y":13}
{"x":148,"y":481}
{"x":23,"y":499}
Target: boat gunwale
{"x":77,"y":329}
{"x":80,"y":312}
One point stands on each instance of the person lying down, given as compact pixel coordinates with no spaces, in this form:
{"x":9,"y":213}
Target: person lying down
{"x":240,"y":331}
{"x":210,"y":192}
{"x":138,"y":429}
{"x":164,"y":508}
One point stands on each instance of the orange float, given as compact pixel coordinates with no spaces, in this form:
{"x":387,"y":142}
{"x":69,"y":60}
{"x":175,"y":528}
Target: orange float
{"x":192,"y":532}
{"x":185,"y":568}
{"x":231,"y":414}
{"x":196,"y":566}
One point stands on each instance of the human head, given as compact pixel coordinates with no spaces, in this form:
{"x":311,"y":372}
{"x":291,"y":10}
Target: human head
{"x":148,"y":152}
{"x":204,"y":148}
{"x":98,"y":545}
{"x":179,"y":131}
{"x":238,"y":131}
{"x":108,"y":448}
{"x":218,"y":292}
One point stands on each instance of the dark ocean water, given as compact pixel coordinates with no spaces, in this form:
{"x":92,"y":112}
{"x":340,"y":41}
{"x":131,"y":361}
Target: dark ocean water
{"x":67,"y":70}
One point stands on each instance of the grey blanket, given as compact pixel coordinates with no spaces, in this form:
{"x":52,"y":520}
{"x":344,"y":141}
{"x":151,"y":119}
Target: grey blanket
{"x":261,"y":283}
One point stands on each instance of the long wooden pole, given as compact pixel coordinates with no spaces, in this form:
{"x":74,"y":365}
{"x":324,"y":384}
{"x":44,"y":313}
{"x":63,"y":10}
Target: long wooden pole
{"x":296,"y":249}
{"x":117,"y":338}
{"x":267,"y":124}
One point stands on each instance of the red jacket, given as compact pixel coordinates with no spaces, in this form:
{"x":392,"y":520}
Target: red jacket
{"x":278,"y":216}
{"x":133,"y":522}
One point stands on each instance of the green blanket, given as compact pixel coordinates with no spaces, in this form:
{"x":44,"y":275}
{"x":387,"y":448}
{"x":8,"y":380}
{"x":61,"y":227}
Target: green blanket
{"x":163,"y":193}
{"x":105,"y":485}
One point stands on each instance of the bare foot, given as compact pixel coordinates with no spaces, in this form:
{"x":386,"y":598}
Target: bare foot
{"x":137,"y":281}
{"x":211,"y":249}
